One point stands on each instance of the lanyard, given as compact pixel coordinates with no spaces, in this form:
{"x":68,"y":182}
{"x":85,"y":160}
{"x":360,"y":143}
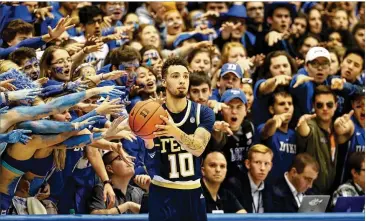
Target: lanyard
{"x":256,"y":209}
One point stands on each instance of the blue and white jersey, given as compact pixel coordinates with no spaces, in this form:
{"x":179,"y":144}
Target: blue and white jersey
{"x":170,"y":161}
{"x":284,"y":150}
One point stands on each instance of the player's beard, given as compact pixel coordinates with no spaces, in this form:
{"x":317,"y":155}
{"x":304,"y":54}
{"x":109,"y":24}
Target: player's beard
{"x":180,"y":94}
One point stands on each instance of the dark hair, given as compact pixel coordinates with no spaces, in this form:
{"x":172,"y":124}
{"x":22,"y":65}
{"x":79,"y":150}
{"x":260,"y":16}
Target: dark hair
{"x":354,"y":30}
{"x":304,"y":37}
{"x":356,"y":51}
{"x":87,"y":13}
{"x":323,"y":89}
{"x":17,"y":26}
{"x":336,"y":52}
{"x":302,"y":160}
{"x":280,"y":91}
{"x":123,"y":54}
{"x":302,"y":15}
{"x":355,"y":161}
{"x":196,"y":78}
{"x":265,"y":73}
{"x":173,"y":61}
{"x":19,"y":55}
{"x":196,"y":51}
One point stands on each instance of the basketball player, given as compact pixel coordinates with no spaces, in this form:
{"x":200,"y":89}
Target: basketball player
{"x":175,"y":193}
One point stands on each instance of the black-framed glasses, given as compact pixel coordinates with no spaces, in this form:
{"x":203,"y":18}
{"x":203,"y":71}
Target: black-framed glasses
{"x":316,"y":64}
{"x":320,"y":105}
{"x":117,"y":157}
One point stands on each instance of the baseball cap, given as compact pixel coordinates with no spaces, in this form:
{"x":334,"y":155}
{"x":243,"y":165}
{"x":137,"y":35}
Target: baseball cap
{"x":231,"y":68}
{"x":232,"y":94}
{"x":316,"y":52}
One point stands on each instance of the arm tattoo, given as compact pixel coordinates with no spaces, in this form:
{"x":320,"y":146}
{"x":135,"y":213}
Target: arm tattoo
{"x":195,"y":142}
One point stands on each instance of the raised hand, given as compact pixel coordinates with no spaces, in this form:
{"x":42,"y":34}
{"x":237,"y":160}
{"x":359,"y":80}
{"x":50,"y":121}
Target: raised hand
{"x":343,"y":124}
{"x":8,"y":85}
{"x":88,"y":122}
{"x":114,"y":75}
{"x":216,"y":106}
{"x":301,"y":79}
{"x":245,"y":63}
{"x":16,"y":136}
{"x":74,"y":47}
{"x":304,"y":118}
{"x":61,"y":26}
{"x":25,"y":94}
{"x":114,"y":129}
{"x":117,"y":147}
{"x":337,"y":83}
{"x":158,"y":98}
{"x":112,"y":91}
{"x":223,"y":127}
{"x":280,"y":118}
{"x":42,"y":13}
{"x":283,"y":80}
{"x":109,"y":107}
{"x":273,"y":37}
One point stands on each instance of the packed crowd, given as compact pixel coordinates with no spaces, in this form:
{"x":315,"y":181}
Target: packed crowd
{"x":284,"y":80}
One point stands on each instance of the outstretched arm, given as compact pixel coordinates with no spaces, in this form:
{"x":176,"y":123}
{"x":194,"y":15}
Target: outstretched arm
{"x":344,"y":127}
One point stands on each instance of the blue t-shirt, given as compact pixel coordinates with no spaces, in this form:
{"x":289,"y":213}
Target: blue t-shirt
{"x":170,"y":160}
{"x":284,"y":150}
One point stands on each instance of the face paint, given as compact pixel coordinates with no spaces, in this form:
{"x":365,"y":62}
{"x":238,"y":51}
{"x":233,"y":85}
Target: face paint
{"x":58,"y":70}
{"x":130,"y":64}
{"x":136,"y":26}
{"x":153,"y":54}
{"x":31,"y":68}
{"x":148,"y":63}
{"x":172,"y":23}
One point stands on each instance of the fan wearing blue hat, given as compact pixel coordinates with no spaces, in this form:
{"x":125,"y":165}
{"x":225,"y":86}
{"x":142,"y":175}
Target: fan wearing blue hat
{"x":233,"y":29}
{"x":229,"y":78}
{"x":279,"y":15}
{"x":234,"y":135}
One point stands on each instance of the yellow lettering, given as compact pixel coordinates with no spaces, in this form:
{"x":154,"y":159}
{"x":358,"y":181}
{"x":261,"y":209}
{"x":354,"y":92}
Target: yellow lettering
{"x":173,"y":146}
{"x":163,"y":141}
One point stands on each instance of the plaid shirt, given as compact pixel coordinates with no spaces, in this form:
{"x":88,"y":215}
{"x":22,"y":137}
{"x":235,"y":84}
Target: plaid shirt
{"x":347,"y":189}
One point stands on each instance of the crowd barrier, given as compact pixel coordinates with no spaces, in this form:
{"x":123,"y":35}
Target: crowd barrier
{"x":211,"y":217}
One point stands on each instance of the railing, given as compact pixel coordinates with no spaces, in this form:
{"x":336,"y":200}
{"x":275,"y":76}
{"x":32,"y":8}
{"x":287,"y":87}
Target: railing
{"x":211,"y":217}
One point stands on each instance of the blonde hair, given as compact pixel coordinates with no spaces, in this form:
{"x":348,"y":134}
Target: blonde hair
{"x":6,"y":65}
{"x":226,"y":49}
{"x":259,"y":148}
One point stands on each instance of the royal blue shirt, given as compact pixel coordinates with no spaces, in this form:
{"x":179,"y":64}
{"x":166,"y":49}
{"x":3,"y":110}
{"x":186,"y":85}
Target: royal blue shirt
{"x":284,"y":150}
{"x":260,"y":105}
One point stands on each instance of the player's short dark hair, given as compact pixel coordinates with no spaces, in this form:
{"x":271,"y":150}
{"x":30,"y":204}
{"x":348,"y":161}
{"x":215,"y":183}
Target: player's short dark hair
{"x":19,"y":55}
{"x":171,"y":62}
{"x":355,"y":161}
{"x":17,"y":26}
{"x":265,"y":72}
{"x":87,"y":13}
{"x":356,"y":51}
{"x":280,"y":91}
{"x":123,"y":54}
{"x":197,"y":78}
{"x":323,"y":89}
{"x":302,"y":160}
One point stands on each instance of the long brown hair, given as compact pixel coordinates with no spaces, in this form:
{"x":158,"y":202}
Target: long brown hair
{"x":46,"y":59}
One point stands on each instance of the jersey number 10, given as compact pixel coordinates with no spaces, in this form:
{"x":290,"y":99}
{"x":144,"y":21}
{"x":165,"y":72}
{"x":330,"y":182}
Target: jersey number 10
{"x":185,"y":161}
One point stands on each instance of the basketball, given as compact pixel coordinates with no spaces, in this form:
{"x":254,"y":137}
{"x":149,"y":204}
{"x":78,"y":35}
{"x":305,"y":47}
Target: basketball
{"x":144,"y":116}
